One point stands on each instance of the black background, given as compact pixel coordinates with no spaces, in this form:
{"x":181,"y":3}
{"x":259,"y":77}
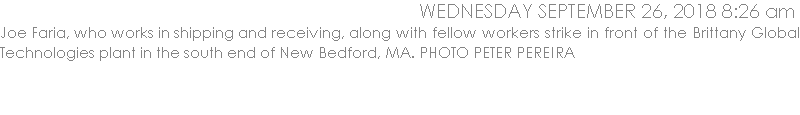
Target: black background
{"x":602,"y":67}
